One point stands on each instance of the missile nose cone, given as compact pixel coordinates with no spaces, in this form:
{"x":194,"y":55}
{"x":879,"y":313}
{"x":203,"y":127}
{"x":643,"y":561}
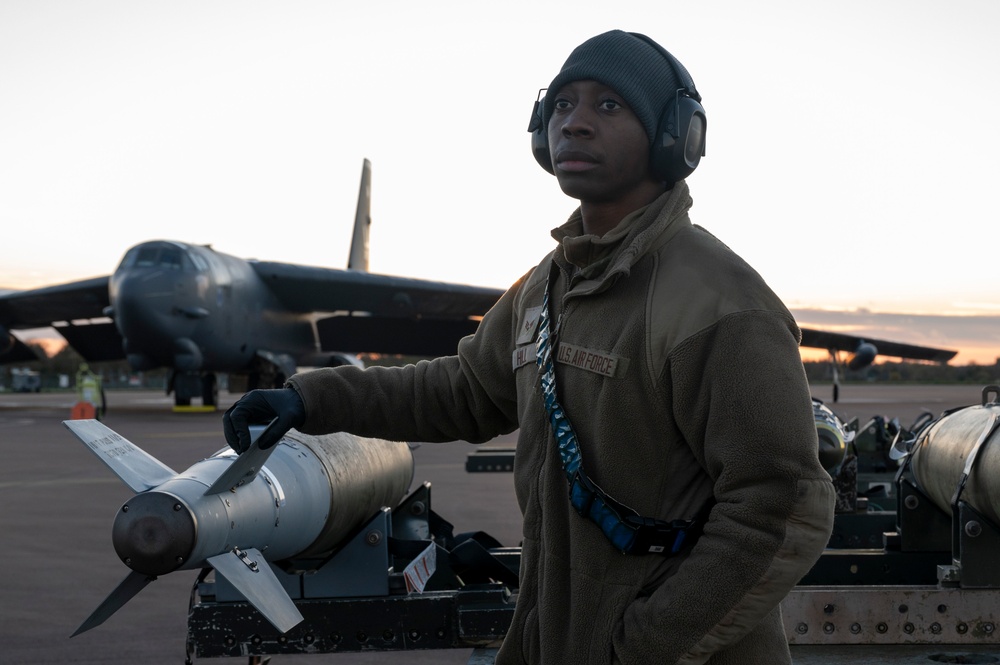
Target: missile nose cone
{"x":154,"y":533}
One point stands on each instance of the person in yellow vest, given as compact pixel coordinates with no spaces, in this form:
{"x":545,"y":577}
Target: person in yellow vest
{"x":90,"y":391}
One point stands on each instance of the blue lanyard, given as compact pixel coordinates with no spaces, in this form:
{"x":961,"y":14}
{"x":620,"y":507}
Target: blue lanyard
{"x":625,"y":528}
{"x":569,"y":451}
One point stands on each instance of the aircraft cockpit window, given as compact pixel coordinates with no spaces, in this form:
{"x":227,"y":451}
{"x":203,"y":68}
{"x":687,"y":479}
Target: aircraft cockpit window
{"x":171,"y":258}
{"x":146,"y":257}
{"x":128,"y":259}
{"x":157,"y":256}
{"x":199,"y":263}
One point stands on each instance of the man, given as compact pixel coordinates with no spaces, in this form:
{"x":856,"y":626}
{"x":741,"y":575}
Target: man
{"x":677,"y":393}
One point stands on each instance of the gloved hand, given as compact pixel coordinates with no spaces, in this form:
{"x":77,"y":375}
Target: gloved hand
{"x":259,"y":407}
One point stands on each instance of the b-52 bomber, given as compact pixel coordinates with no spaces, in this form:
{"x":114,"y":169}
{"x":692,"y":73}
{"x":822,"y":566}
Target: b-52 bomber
{"x":200,"y":312}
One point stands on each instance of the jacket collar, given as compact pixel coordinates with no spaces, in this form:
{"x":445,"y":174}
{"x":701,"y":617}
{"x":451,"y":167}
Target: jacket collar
{"x":618,"y":250}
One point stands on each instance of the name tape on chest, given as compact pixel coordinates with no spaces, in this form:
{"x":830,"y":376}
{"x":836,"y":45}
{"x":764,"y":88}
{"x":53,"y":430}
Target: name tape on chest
{"x":523,"y":355}
{"x":589,"y":360}
{"x":598,"y":362}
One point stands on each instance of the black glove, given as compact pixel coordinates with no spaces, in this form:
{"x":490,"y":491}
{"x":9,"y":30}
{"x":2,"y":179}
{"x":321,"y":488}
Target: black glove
{"x":260,"y":407}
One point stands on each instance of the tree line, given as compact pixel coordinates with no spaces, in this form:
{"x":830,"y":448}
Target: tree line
{"x":907,"y":372}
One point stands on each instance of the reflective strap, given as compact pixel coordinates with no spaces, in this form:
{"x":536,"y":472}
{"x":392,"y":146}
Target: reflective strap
{"x":627,"y":531}
{"x":569,"y":452}
{"x":593,"y":506}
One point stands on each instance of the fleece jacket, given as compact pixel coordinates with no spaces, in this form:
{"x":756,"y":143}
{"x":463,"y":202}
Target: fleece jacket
{"x":680,"y":373}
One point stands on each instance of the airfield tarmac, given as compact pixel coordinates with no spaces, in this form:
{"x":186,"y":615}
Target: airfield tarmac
{"x":59,"y":563}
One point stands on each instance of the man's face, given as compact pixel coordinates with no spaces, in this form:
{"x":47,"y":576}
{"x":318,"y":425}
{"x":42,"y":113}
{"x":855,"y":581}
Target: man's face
{"x":599,"y":149}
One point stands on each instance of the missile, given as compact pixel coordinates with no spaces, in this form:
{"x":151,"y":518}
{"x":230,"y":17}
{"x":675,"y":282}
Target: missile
{"x":299,"y":498}
{"x":960,"y":453}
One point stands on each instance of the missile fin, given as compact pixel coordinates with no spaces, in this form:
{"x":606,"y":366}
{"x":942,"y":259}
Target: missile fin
{"x":244,"y":468}
{"x":129,"y":587}
{"x":252,"y":576}
{"x":137,"y":468}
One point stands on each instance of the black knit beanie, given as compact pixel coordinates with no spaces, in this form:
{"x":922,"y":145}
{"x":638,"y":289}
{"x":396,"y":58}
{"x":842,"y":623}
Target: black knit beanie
{"x":632,"y":66}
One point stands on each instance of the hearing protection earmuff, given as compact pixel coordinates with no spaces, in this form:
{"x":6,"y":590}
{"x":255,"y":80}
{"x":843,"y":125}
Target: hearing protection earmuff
{"x":679,"y":143}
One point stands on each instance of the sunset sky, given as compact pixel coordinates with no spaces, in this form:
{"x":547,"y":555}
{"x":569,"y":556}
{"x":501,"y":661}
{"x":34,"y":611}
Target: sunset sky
{"x":852,"y":144}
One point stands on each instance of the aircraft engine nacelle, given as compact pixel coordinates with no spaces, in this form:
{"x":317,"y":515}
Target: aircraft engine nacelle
{"x":863,"y":356}
{"x":236,"y":513}
{"x":942,"y":452}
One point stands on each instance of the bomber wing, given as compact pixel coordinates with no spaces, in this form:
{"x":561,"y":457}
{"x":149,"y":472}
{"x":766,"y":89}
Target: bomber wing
{"x":820,"y":339}
{"x":71,"y":309}
{"x":36,"y":308}
{"x":366,"y":312}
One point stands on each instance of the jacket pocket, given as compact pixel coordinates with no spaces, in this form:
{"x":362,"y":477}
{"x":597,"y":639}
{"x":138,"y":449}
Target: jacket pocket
{"x":597,"y":625}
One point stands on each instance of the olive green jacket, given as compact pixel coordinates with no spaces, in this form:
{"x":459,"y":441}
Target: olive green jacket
{"x":679,"y":370}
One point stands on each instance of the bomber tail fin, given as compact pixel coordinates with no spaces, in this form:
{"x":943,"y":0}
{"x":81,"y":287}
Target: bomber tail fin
{"x":358,"y":260}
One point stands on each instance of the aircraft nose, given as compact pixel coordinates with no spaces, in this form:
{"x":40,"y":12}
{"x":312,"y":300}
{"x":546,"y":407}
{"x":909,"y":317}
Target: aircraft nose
{"x":138,"y":305}
{"x":154,"y":533}
{"x":156,"y":317}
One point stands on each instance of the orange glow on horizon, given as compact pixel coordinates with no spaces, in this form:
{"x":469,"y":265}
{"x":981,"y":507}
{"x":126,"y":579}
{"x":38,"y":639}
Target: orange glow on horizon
{"x":981,"y":355}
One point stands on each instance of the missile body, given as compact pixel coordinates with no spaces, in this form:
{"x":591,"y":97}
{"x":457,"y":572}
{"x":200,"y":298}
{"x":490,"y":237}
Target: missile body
{"x":236,"y":513}
{"x":962,"y":446}
{"x":312,"y":492}
{"x":832,"y":436}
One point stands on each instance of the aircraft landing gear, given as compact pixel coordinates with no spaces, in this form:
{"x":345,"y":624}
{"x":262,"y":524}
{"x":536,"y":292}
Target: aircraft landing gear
{"x":209,"y":390}
{"x":835,"y":366}
{"x":188,"y":385}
